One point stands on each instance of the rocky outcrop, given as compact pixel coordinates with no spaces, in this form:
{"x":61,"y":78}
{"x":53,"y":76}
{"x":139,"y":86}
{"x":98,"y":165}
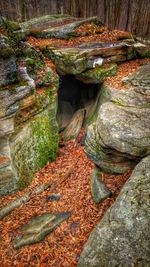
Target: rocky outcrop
{"x":122,"y":237}
{"x":97,"y":74}
{"x":7,"y":62}
{"x":78,"y":59}
{"x":121,"y":134}
{"x":65,"y":31}
{"x":28,"y":127}
{"x":28,"y":99}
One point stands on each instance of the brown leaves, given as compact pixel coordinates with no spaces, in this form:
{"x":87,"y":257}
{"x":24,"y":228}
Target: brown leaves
{"x":63,"y":247}
{"x":90,"y":28}
{"x":124,"y":69}
{"x":95,"y":34}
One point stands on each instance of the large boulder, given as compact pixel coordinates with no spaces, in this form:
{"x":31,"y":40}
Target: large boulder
{"x":122,"y":237}
{"x":28,"y":125}
{"x":121,"y":134}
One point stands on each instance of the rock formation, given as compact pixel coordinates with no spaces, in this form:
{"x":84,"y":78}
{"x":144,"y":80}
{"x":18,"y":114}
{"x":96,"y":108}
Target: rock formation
{"x":117,"y":128}
{"x":28,"y":96}
{"x":122,"y":236}
{"x":28,"y":127}
{"x":121,"y":134}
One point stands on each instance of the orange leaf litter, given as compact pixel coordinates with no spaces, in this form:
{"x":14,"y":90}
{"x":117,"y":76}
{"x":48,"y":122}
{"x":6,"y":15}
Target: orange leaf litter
{"x":124,"y":70}
{"x":95,"y":34}
{"x":62,"y":247}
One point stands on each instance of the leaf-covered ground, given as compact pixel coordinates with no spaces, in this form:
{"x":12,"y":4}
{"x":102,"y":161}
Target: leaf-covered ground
{"x":125,"y":69}
{"x":62,"y":247}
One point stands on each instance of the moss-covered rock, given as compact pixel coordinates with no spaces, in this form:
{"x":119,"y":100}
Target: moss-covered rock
{"x":121,"y":133}
{"x":76,"y":60}
{"x":28,"y":125}
{"x":44,"y":21}
{"x":34,"y":145}
{"x":38,"y":227}
{"x":98,"y":74}
{"x":142,"y":50}
{"x":104,"y":95}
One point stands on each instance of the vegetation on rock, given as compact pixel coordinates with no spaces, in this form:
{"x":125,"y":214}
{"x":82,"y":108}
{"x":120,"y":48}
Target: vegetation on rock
{"x":115,"y":117}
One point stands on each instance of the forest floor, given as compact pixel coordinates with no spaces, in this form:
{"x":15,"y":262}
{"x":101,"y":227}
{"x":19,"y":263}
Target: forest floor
{"x":62,"y":247}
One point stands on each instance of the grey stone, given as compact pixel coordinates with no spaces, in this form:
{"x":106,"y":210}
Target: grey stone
{"x":98,"y":190}
{"x":64,"y":114}
{"x":38,"y":227}
{"x":122,"y":237}
{"x":28,"y":128}
{"x":73,"y":129}
{"x":120,"y":136}
{"x":75,"y":60}
{"x":7,"y":70}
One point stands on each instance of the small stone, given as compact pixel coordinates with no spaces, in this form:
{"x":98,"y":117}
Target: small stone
{"x":98,"y":189}
{"x":53,"y":197}
{"x":74,"y":225}
{"x":38,"y":227}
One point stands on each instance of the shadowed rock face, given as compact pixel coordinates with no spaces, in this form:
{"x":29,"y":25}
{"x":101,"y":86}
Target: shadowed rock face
{"x":121,"y":134}
{"x":122,"y":238}
{"x":72,"y":96}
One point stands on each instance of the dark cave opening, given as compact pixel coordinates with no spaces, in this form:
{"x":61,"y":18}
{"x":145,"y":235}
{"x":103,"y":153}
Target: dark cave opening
{"x":72,"y":96}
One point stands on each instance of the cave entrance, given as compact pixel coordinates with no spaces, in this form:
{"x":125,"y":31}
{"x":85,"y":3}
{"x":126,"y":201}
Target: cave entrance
{"x":72,"y":96}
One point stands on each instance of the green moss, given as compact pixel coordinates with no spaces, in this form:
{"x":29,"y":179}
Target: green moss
{"x":12,"y":88}
{"x":48,"y":52}
{"x":33,"y":58}
{"x":6,"y":52}
{"x":98,"y":74}
{"x":91,"y":118}
{"x":117,"y":102}
{"x":144,"y":54}
{"x":12,"y":25}
{"x":34,"y":145}
{"x":131,"y":54}
{"x":46,"y":134}
{"x":46,"y":78}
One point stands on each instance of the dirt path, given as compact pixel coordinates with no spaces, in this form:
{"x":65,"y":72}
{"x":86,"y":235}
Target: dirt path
{"x":62,"y":247}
